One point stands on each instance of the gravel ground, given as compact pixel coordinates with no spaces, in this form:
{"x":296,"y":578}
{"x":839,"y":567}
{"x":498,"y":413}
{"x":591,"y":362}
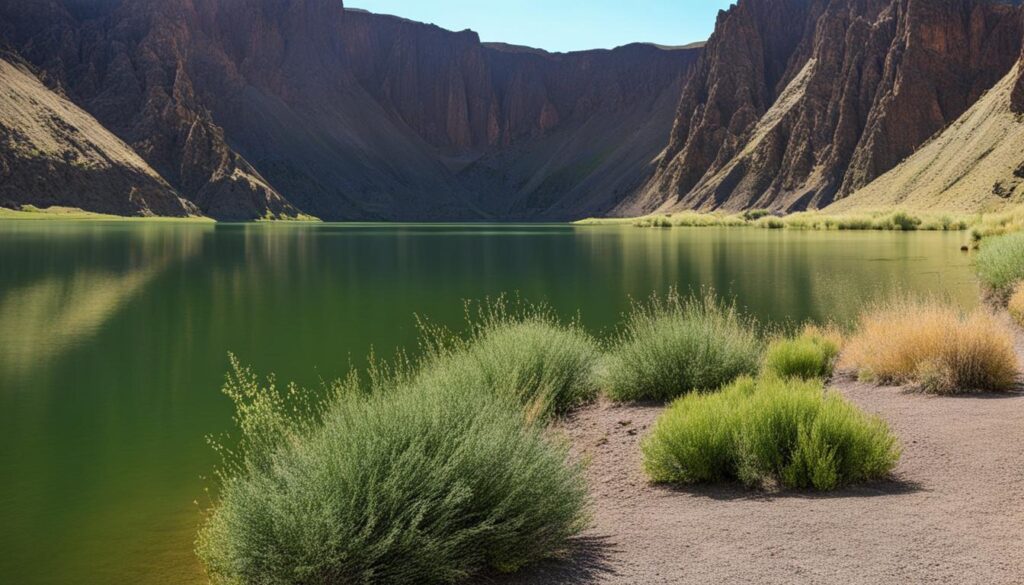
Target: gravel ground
{"x":953,"y":512}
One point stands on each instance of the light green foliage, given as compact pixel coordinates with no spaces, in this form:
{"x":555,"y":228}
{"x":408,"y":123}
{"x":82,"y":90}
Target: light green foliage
{"x":413,"y":481}
{"x":811,"y":355}
{"x":670,"y":347}
{"x":1000,"y":263}
{"x":518,"y":351}
{"x":766,"y":432}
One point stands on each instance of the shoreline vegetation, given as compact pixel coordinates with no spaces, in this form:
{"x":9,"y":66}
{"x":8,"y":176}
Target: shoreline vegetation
{"x":388,"y":475}
{"x":980,"y":225}
{"x":57,"y":212}
{"x":32,"y":213}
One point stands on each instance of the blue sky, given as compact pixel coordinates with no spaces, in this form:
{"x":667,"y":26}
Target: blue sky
{"x":564,"y":25}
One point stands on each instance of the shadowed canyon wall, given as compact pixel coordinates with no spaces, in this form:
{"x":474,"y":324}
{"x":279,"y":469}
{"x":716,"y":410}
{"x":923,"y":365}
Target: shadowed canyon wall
{"x":246,"y":109}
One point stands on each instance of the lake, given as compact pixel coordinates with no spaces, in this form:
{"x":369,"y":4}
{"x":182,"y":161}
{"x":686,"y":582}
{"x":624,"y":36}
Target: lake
{"x":114,"y":339}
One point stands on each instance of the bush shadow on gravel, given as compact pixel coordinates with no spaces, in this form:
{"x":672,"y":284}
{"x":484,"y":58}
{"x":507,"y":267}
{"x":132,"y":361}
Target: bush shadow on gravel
{"x":586,"y":562}
{"x":730,"y":492}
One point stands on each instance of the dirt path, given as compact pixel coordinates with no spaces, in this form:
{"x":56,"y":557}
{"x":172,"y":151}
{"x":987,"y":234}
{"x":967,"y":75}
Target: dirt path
{"x":953,"y":513}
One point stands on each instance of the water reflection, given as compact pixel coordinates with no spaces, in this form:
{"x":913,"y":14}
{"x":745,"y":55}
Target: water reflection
{"x":55,"y":312}
{"x":113,"y":340}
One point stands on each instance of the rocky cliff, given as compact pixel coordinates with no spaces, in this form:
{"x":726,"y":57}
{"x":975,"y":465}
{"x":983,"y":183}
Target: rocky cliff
{"x":53,"y":153}
{"x":799,"y":103}
{"x":976,"y":163}
{"x":274,"y":107}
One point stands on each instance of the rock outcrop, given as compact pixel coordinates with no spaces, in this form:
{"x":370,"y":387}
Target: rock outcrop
{"x":976,"y":163}
{"x":799,"y":103}
{"x":257,"y":108}
{"x":54,"y":153}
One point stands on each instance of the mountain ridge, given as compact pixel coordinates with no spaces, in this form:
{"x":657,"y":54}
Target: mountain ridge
{"x":264,"y":109}
{"x":273,"y":108}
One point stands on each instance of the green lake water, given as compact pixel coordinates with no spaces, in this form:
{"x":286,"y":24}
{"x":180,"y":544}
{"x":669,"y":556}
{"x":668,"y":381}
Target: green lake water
{"x":114,"y":340}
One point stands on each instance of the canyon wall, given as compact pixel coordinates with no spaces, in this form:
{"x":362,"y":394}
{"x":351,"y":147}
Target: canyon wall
{"x":799,"y":103}
{"x":272,"y":108}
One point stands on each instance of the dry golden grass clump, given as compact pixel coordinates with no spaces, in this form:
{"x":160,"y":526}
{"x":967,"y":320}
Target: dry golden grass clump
{"x":933,"y":345}
{"x":1017,"y":304}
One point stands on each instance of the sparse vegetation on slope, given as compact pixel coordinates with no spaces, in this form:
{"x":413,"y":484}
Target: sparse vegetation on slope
{"x":421,"y":482}
{"x":933,"y":345}
{"x":769,"y":432}
{"x":669,"y":347}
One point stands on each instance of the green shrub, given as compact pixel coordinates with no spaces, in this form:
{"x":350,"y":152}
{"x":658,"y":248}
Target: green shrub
{"x":417,"y":483}
{"x":518,"y":351}
{"x":1000,"y":263}
{"x":694,"y":441}
{"x":755,"y":214}
{"x":771,"y":222}
{"x":670,"y":347}
{"x":812,"y":355}
{"x":766,"y":432}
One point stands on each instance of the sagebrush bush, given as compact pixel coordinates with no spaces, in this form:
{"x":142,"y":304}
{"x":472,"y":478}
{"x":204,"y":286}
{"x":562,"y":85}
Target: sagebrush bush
{"x":1016,"y":304}
{"x":933,"y":345}
{"x":811,"y":355}
{"x":669,"y":347}
{"x":769,"y":432}
{"x":1000,"y":263}
{"x":520,"y":351}
{"x":415,"y":482}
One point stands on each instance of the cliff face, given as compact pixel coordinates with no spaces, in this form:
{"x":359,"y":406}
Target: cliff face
{"x":271,"y":107}
{"x":798,"y":103}
{"x":975,"y":163}
{"x":53,"y":153}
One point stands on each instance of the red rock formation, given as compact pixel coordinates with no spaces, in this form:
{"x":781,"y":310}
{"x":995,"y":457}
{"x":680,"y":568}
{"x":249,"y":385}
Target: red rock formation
{"x":263,"y":107}
{"x":799,"y":102}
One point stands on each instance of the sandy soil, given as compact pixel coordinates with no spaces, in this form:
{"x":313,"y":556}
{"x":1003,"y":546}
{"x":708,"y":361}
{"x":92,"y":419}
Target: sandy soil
{"x":953,"y":512}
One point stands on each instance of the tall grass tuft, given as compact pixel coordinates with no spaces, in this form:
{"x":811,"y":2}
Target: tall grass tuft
{"x":1016,"y":304}
{"x":933,"y":345}
{"x":415,"y":482}
{"x":669,"y":347}
{"x":519,"y":351}
{"x":769,"y":432}
{"x":1000,"y":263}
{"x":811,"y":355}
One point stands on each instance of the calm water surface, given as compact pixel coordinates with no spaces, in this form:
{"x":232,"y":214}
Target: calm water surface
{"x":114,"y":337}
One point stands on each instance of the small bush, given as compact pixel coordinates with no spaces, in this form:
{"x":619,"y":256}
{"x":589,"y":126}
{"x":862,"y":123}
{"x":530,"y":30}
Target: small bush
{"x":518,"y":351}
{"x":933,"y":345}
{"x":1016,"y":305}
{"x":812,"y":355}
{"x":670,"y":347}
{"x":1000,"y":263}
{"x":420,"y":483}
{"x":755,"y":214}
{"x":767,"y":432}
{"x":770,"y":222}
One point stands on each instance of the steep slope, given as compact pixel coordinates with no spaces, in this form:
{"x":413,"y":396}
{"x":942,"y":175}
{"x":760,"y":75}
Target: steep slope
{"x":975,"y":164}
{"x":269,"y":107}
{"x":53,"y":153}
{"x":798,"y":103}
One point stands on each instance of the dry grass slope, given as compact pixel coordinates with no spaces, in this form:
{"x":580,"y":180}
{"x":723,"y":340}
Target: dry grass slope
{"x":961,"y":169}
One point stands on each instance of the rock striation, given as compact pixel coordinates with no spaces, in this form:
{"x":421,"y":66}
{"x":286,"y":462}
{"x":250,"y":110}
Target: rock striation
{"x":799,"y":103}
{"x":54,"y":153}
{"x":271,"y":108}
